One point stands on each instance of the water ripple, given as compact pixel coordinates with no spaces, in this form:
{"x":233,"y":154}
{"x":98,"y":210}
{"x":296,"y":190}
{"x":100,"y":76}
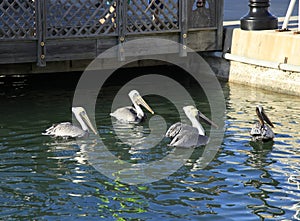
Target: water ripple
{"x":42,"y":178}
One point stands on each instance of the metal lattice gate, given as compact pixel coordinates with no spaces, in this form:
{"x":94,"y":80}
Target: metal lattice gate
{"x":43,"y":27}
{"x":17,"y":19}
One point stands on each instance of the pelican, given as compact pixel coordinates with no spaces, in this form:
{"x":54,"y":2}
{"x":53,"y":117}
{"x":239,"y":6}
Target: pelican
{"x":184,"y":135}
{"x":261,"y":131}
{"x":132,"y":114}
{"x":67,"y":130}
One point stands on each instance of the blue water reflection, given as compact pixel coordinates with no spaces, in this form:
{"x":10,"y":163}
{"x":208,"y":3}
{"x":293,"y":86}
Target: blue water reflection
{"x":50,"y":179}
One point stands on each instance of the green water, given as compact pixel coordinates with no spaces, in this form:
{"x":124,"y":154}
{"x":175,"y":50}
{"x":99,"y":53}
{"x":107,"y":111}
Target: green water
{"x":48,"y":179}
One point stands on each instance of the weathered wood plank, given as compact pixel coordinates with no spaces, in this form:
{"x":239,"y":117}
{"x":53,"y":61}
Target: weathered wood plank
{"x":137,"y":50}
{"x":17,"y":52}
{"x":197,"y":40}
{"x":66,"y":66}
{"x":220,"y":10}
{"x":206,"y":40}
{"x":65,"y":49}
{"x":105,"y":43}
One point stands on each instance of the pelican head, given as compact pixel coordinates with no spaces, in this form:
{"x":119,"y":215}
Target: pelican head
{"x":137,"y":99}
{"x":262,"y":116}
{"x":194,"y":112}
{"x":83,"y":119}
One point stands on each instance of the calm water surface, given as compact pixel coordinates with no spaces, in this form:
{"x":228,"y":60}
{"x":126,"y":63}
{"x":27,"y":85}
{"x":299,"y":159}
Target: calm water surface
{"x":48,"y":179}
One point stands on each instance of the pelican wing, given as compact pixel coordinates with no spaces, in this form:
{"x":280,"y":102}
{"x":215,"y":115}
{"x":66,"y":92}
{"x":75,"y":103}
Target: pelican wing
{"x":256,"y":130}
{"x":261,"y":132}
{"x":174,"y":130}
{"x":267,"y":133}
{"x":186,"y":138}
{"x":65,"y":129}
{"x":178,"y":128}
{"x":184,"y":135}
{"x":125,"y":114}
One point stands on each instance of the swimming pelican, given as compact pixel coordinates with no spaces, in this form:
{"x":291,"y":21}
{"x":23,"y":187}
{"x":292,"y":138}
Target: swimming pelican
{"x":67,"y":130}
{"x":132,"y":114}
{"x":184,"y":135}
{"x":260,"y":130}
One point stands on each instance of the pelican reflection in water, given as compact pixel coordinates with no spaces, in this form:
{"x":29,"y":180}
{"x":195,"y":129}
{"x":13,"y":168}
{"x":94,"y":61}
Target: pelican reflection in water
{"x":261,"y":130}
{"x":184,"y":135}
{"x":67,"y":130}
{"x":132,"y":114}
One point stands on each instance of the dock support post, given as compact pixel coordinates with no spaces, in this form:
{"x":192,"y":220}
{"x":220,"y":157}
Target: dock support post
{"x":41,"y":32}
{"x":259,"y":17}
{"x":122,"y":22}
{"x":184,"y":28}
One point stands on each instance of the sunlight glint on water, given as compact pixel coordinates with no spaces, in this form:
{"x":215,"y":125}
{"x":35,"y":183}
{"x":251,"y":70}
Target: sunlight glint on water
{"x":45,"y":178}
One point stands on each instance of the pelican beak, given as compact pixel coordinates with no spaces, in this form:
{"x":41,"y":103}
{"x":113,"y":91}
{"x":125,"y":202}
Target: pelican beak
{"x":206,"y":120}
{"x":88,"y":123}
{"x":262,"y":116}
{"x":141,"y":101}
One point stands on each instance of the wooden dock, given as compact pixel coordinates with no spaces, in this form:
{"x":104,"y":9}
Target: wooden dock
{"x":65,"y":35}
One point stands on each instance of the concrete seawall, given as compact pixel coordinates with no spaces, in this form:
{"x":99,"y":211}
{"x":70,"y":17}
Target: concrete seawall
{"x":265,"y":59}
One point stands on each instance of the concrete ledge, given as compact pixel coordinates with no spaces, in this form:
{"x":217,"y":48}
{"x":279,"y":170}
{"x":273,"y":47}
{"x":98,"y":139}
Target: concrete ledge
{"x":255,"y":73}
{"x":268,"y":64}
{"x":282,"y":47}
{"x":266,"y":78}
{"x":264,"y":59}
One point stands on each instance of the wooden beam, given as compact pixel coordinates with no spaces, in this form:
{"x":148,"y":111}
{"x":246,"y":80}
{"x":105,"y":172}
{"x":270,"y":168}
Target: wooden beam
{"x":41,"y":32}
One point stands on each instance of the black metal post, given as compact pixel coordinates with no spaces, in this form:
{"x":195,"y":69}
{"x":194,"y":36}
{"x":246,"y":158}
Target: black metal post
{"x":259,"y":17}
